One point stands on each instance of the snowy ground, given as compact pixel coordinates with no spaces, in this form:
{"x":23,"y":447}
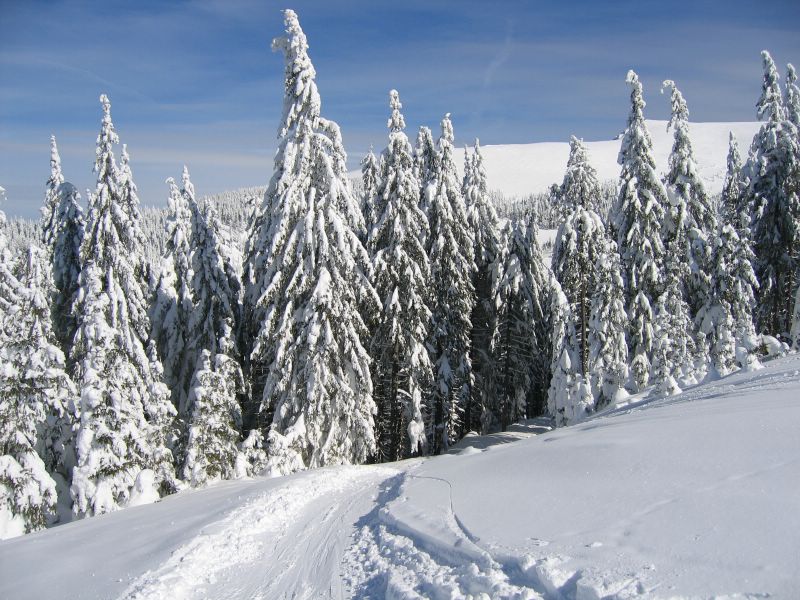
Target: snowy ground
{"x":697,"y":496}
{"x":517,"y":170}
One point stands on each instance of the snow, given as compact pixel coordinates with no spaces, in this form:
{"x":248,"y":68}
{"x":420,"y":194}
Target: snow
{"x":517,"y":170}
{"x":694,"y":495}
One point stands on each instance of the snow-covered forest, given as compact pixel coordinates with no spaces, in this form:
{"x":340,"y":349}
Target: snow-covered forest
{"x":323,"y":321}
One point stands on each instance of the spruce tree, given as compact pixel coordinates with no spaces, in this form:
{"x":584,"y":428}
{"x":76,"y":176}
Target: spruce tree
{"x":485,"y":229}
{"x":608,"y":350}
{"x":51,"y":196}
{"x":426,"y":166}
{"x":732,"y":189}
{"x":792,"y":96}
{"x":726,"y":318}
{"x":37,"y":402}
{"x":306,"y":277}
{"x":402,"y":369}
{"x":450,"y":254}
{"x":637,"y":219}
{"x":580,"y":186}
{"x":579,"y":242}
{"x":674,"y":343}
{"x":126,"y":419}
{"x":62,"y":234}
{"x":173,"y":307}
{"x":689,"y":215}
{"x":213,"y":411}
{"x":773,"y":197}
{"x":521,"y":344}
{"x":369,"y":182}
{"x":569,"y":397}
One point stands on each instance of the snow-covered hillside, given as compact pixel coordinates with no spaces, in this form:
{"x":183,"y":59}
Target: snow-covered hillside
{"x":691,"y":496}
{"x":516,"y":170}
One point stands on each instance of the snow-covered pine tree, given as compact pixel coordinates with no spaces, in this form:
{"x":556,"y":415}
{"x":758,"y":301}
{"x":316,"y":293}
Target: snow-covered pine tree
{"x":129,"y":203}
{"x":608,"y":350}
{"x":452,"y":261}
{"x":485,"y":229}
{"x":212,"y":451}
{"x":640,"y":340}
{"x":369,"y":182}
{"x":732,"y":192}
{"x":637,"y":222}
{"x":172,"y":306}
{"x":726,"y":318}
{"x":689,"y":214}
{"x":213,"y":411}
{"x":37,"y":402}
{"x":792,"y":96}
{"x":580,"y":186}
{"x":674,"y":346}
{"x":62,"y":235}
{"x":426,"y":166}
{"x":521,"y":343}
{"x":126,"y":419}
{"x":402,"y":371}
{"x":307,"y":276}
{"x":580,"y":240}
{"x":51,"y":196}
{"x":773,"y":196}
{"x":569,"y":397}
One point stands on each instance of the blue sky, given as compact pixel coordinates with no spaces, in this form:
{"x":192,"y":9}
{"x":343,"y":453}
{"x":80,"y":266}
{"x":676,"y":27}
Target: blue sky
{"x":195,"y":82}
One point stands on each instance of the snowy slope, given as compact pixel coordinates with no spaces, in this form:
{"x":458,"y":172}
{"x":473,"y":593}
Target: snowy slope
{"x":692,"y":496}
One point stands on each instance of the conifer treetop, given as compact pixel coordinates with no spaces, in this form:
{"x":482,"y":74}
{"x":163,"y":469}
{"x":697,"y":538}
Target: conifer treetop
{"x":770,"y":105}
{"x":301,"y":89}
{"x":396,"y":121}
{"x":792,"y":96}
{"x":56,"y":176}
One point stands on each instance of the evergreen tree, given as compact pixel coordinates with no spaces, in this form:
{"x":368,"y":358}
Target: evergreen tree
{"x":426,"y":166}
{"x":641,"y":335}
{"x":773,"y":195}
{"x":674,"y":344}
{"x":173,"y":305}
{"x":37,"y":409}
{"x":689,"y":215}
{"x":212,"y":445}
{"x":485,"y":229}
{"x":637,"y":219}
{"x":452,"y":261}
{"x":307,"y":275}
{"x":125,"y":427}
{"x":580,"y":186}
{"x":792,"y":96}
{"x":579,"y":241}
{"x":369,"y":181}
{"x":521,"y":344}
{"x":726,"y":318}
{"x":569,"y":397}
{"x":401,"y":366}
{"x":51,"y":196}
{"x":62,"y":234}
{"x":214,"y":415}
{"x":608,"y":350}
{"x":732,"y":189}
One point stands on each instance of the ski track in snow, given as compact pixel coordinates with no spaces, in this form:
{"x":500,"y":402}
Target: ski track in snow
{"x":400,"y":554}
{"x":278,"y":545}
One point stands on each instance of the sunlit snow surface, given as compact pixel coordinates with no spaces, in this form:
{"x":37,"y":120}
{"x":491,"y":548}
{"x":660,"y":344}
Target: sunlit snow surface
{"x":697,"y":495}
{"x":517,"y":170}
